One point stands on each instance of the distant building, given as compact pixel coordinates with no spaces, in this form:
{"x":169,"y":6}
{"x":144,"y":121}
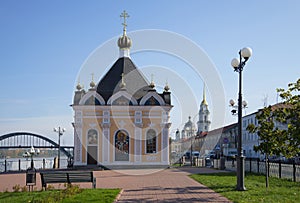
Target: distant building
{"x":221,"y":140}
{"x":252,"y":139}
{"x":184,"y":140}
{"x":204,"y":121}
{"x":188,"y":130}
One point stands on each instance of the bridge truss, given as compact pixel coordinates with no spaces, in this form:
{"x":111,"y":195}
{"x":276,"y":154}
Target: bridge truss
{"x":27,"y":140}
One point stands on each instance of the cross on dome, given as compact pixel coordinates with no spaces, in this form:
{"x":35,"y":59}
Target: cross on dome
{"x":124,"y":15}
{"x":124,"y":42}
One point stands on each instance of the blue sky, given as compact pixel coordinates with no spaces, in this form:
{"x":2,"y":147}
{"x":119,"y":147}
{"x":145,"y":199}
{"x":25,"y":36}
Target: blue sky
{"x":43,"y":45}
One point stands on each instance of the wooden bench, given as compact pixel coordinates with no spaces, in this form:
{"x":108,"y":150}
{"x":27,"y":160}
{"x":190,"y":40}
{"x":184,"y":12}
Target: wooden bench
{"x":67,"y":177}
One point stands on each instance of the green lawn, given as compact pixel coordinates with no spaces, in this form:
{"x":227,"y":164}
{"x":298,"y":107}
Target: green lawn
{"x":64,"y":196}
{"x":224,"y":183}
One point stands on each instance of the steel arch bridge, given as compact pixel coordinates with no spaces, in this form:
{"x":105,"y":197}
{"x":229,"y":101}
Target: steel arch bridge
{"x":27,"y":140}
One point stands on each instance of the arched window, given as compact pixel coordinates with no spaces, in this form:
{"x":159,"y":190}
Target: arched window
{"x":121,"y":146}
{"x":92,"y":137}
{"x":151,"y":141}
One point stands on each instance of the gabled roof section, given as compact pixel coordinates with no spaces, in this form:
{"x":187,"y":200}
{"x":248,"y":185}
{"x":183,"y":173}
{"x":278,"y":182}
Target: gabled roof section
{"x":136,"y":84}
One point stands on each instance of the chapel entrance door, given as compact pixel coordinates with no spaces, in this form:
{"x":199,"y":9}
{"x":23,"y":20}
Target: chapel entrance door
{"x":92,"y":155}
{"x":92,"y":147}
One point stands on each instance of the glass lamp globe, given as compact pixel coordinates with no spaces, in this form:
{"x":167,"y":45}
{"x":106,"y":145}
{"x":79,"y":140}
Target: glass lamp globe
{"x":244,"y":103}
{"x":246,"y":52}
{"x":235,"y":62}
{"x":32,"y":151}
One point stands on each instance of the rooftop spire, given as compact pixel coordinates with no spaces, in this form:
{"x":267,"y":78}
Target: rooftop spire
{"x":204,"y":96}
{"x":152,"y":85}
{"x":124,"y":42}
{"x":122,"y":84}
{"x":167,"y":88}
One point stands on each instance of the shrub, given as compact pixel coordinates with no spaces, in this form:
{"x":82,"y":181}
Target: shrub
{"x":16,"y":188}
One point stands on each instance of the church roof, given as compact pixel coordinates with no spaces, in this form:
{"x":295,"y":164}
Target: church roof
{"x":136,"y":84}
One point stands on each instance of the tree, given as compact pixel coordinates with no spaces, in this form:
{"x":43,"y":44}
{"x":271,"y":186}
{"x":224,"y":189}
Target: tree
{"x":270,"y":136}
{"x":279,"y":125}
{"x":277,"y":139}
{"x":290,"y":114}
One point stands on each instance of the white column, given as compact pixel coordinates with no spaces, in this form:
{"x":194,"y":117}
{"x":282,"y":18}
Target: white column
{"x":165,"y":146}
{"x":138,"y":144}
{"x":105,"y":145}
{"x":78,"y":138}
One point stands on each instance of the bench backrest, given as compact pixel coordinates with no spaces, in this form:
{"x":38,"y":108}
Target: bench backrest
{"x":66,"y":177}
{"x":77,"y":176}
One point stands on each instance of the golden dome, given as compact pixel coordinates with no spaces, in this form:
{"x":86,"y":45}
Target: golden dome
{"x":78,"y":87}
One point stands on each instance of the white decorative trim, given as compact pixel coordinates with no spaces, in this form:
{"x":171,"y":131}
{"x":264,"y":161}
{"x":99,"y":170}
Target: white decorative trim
{"x":122,"y":123}
{"x":105,"y":145}
{"x":151,"y":125}
{"x":152,"y":94}
{"x":165,"y":145}
{"x":165,"y":116}
{"x":118,"y":95}
{"x":106,"y":117}
{"x":93,"y":125}
{"x":78,"y":146}
{"x":138,"y":144}
{"x":124,"y":53}
{"x":90,"y":94}
{"x":138,"y":117}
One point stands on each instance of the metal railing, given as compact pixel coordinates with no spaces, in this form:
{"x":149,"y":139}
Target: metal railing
{"x":22,"y":164}
{"x":275,"y":169}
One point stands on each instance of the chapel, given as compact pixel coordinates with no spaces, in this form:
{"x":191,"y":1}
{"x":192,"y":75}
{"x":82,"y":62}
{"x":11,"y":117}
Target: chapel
{"x":122,"y":121}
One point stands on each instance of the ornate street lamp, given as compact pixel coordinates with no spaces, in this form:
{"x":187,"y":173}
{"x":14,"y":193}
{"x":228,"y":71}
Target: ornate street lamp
{"x":30,"y":154}
{"x":234,"y":110}
{"x":60,"y":132}
{"x":238,"y":65}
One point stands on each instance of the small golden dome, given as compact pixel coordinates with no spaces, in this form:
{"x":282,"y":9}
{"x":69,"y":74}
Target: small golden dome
{"x":152,"y":85}
{"x":92,"y":84}
{"x":124,"y":42}
{"x":78,"y":87}
{"x":167,"y":88}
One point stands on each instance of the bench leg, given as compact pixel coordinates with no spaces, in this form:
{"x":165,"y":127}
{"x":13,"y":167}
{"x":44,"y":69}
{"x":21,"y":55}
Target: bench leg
{"x":94,"y":182}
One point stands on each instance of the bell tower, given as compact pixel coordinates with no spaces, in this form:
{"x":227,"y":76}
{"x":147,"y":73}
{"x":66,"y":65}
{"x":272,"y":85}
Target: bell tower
{"x":204,"y":122}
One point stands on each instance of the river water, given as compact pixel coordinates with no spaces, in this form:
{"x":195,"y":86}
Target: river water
{"x":13,"y":164}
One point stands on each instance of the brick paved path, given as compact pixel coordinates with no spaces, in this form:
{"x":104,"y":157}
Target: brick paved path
{"x":170,"y":185}
{"x":144,"y":185}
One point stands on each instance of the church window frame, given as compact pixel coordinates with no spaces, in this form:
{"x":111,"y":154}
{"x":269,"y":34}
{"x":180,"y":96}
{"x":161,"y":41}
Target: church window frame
{"x":151,"y":141}
{"x":106,"y":117}
{"x":122,"y":146}
{"x":165,"y":117}
{"x":138,"y":117}
{"x":92,"y":137}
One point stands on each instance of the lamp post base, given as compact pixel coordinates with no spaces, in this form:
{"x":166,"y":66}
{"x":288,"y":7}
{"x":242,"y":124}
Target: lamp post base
{"x":240,"y":173}
{"x":32,"y":163}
